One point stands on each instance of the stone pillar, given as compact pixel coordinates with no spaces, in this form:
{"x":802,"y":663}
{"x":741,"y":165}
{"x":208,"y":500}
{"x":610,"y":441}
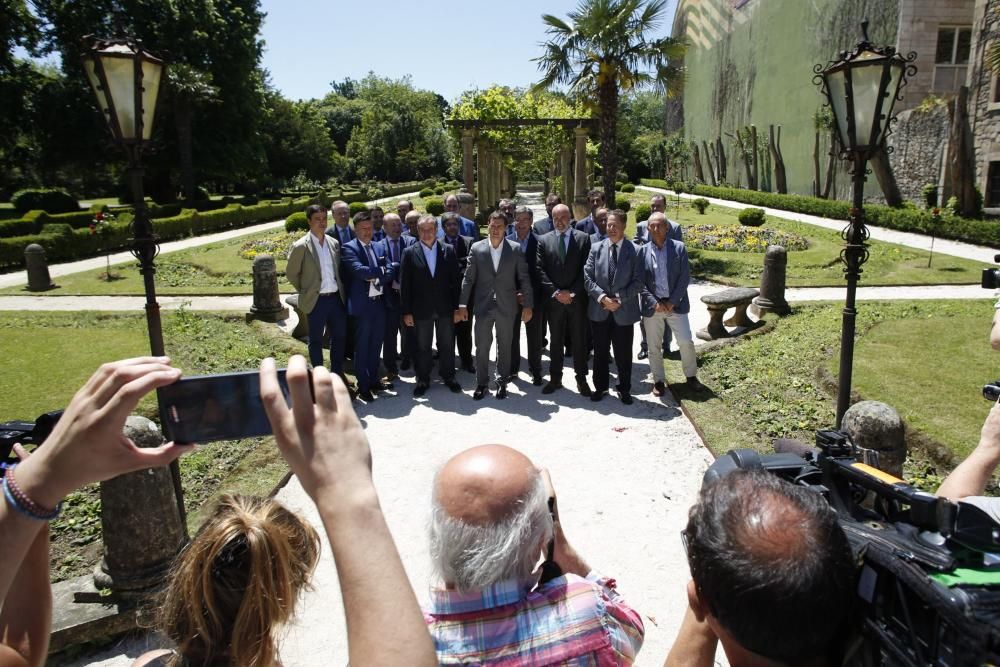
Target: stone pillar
{"x":141,"y":524}
{"x":38,"y":269}
{"x":506,"y":180}
{"x":772,"y":284}
{"x":266,"y":298}
{"x":566,"y":169}
{"x":580,"y":175}
{"x":468,"y":146}
{"x":877,"y":426}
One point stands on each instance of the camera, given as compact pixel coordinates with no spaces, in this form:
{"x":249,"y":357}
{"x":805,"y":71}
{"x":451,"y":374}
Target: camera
{"x":991,"y":391}
{"x":918,"y":601}
{"x":991,"y":277}
{"x":26,"y":433}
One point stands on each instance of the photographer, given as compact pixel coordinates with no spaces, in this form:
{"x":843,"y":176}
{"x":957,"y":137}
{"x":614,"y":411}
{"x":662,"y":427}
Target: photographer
{"x":968,"y":481}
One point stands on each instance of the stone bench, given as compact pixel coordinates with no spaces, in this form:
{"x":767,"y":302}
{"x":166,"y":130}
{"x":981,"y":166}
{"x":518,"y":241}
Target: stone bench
{"x":301,"y":330}
{"x":718,"y":303}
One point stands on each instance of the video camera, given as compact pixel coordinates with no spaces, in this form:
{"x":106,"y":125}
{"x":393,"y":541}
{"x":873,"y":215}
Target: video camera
{"x":26,"y":433}
{"x":991,"y":277}
{"x":927,"y":594}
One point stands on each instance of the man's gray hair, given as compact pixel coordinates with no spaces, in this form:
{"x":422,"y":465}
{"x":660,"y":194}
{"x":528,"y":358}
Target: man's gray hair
{"x":471,"y":557}
{"x":523,"y":209}
{"x":427,"y":217}
{"x":449,"y":216}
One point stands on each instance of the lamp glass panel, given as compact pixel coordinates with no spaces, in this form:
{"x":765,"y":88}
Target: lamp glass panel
{"x":895,"y":80}
{"x":95,"y":83}
{"x":121,"y":86}
{"x":835,"y":84}
{"x":866,"y":78}
{"x":151,"y":73}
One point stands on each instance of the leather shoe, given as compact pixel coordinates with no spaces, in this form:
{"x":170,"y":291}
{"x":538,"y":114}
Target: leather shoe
{"x":583,"y":388}
{"x":502,"y":392}
{"x":480,"y":391}
{"x":392,"y":376}
{"x":624,"y":397}
{"x":551,"y":387}
{"x":366,"y":396}
{"x":694,"y":384}
{"x":659,"y":389}
{"x":384,"y":386}
{"x":404,"y":365}
{"x":536,"y":379}
{"x":643,"y":354}
{"x":453,"y":385}
{"x":597,"y":395}
{"x":419,"y":390}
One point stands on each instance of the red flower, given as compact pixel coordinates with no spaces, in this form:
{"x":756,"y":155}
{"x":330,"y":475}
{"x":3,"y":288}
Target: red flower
{"x":936,"y":212}
{"x":100,"y":215}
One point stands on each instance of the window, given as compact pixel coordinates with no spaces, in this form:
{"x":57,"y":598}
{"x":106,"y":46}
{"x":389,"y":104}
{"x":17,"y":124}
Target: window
{"x":951,"y":59}
{"x":993,"y":185}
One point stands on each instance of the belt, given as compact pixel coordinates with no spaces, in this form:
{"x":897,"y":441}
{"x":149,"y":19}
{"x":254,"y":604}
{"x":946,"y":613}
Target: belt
{"x":327,"y":293}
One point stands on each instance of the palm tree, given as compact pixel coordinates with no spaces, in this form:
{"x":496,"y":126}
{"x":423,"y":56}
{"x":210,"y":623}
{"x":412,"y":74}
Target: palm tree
{"x":606,"y":49}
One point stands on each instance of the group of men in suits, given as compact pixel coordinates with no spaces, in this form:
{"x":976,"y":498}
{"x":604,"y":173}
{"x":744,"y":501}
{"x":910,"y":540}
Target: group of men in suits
{"x":582,"y":283}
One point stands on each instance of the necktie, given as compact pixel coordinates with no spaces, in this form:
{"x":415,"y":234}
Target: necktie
{"x":613,"y":266}
{"x":395,"y":250}
{"x":562,"y":246}
{"x":371,"y":256}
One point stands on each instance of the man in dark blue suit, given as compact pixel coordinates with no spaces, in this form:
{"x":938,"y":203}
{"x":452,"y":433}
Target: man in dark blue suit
{"x":601,"y":224}
{"x":586,"y":225}
{"x":395,"y":243}
{"x":545,"y":225}
{"x":378,"y":223}
{"x":613,"y":278}
{"x":657,"y":204}
{"x":466,"y":227}
{"x":341,"y":229}
{"x":535,"y":327}
{"x":463,"y":245}
{"x":369,"y":274}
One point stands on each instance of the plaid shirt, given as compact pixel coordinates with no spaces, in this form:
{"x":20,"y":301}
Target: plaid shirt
{"x":568,"y":621}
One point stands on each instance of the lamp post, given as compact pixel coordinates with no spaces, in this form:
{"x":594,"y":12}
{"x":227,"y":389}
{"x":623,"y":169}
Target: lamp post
{"x":861,"y":88}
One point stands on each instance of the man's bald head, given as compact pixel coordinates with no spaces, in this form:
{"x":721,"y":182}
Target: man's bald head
{"x":490,"y":517}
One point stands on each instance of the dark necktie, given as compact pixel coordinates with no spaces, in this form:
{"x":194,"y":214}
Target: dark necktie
{"x":395,"y":250}
{"x":562,"y":247}
{"x":613,"y":266}
{"x":371,"y":256}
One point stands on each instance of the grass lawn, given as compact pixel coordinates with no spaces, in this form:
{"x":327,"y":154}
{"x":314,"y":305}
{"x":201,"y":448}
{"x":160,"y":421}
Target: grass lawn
{"x":819,"y":265}
{"x":768,"y":386}
{"x":61,"y":350}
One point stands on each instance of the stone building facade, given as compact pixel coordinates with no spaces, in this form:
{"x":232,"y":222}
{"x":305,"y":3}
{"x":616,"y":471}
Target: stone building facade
{"x":984,"y":103}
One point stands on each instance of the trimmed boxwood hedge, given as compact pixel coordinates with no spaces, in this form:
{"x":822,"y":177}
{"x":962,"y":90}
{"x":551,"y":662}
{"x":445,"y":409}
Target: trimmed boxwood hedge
{"x":980,"y":232}
{"x":62,"y":242}
{"x":53,"y":200}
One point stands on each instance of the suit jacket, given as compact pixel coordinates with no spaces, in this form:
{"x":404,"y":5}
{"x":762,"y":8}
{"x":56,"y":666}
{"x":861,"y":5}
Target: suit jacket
{"x":466,"y":227}
{"x":486,"y":289}
{"x":678,"y":277}
{"x":531,"y":257}
{"x":586,"y":225}
{"x":462,"y":246}
{"x":543,"y":226}
{"x":642,"y":232}
{"x":596,"y":238}
{"x":304,"y":274}
{"x":358,"y":268}
{"x":555,"y":274}
{"x":334,"y":232}
{"x":392,"y":295}
{"x":423,"y":295}
{"x":627,"y":285}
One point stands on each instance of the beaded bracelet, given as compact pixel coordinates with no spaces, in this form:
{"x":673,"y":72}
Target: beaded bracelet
{"x":18,"y":500}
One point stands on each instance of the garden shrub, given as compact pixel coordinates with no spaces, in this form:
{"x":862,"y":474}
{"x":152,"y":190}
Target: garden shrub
{"x":701,"y":204}
{"x":752,"y":217}
{"x":628,"y":187}
{"x":426,"y":192}
{"x":20,"y":227}
{"x":930,"y":195}
{"x":357,"y":207}
{"x":623,"y":203}
{"x":57,"y":229}
{"x":434,"y":205}
{"x":297,"y":222}
{"x":619,"y":185}
{"x":740,"y":239}
{"x":642,"y":212}
{"x":50,"y":200}
{"x":439,"y":190}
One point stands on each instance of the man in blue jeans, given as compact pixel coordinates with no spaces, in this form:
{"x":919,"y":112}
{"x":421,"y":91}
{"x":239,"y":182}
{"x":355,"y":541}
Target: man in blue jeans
{"x":314,"y":270}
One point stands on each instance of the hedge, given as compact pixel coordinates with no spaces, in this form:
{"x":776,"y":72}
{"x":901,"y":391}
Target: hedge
{"x":53,"y":200}
{"x":980,"y":232}
{"x":63,"y":246}
{"x":434,"y":205}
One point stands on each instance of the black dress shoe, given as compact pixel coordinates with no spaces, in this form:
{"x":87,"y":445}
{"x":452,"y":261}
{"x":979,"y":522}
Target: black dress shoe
{"x":453,"y":385}
{"x":642,"y":355}
{"x":502,"y":392}
{"x":384,"y":386}
{"x":624,"y":396}
{"x":366,"y":396}
{"x":480,"y":391}
{"x":583,"y":387}
{"x":597,"y":395}
{"x":659,"y":389}
{"x":536,"y":379}
{"x":551,"y":387}
{"x":420,"y":389}
{"x":404,"y":365}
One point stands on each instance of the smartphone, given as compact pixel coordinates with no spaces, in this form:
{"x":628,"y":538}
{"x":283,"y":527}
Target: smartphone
{"x":208,"y":408}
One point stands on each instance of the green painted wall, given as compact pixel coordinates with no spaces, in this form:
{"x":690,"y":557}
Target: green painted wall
{"x":754,"y":65}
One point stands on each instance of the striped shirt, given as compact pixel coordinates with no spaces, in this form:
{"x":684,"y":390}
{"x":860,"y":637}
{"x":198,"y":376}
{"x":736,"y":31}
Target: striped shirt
{"x":568,"y":621}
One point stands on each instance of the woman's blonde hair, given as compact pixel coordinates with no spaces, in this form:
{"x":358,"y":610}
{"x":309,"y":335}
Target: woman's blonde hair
{"x":237,"y":582}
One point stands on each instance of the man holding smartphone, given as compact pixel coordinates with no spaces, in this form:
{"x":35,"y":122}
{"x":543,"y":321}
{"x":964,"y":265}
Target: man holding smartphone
{"x":314,"y":270}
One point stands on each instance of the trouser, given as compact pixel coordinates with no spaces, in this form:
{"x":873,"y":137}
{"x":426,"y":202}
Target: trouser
{"x":330,"y":314}
{"x":390,"y":344}
{"x":535,"y":333}
{"x":666,"y":338}
{"x":564,"y":319}
{"x":422,"y":361}
{"x":682,"y":332}
{"x":409,"y":344}
{"x":484,"y":326}
{"x":463,"y":339}
{"x":609,"y":334}
{"x":368,"y":347}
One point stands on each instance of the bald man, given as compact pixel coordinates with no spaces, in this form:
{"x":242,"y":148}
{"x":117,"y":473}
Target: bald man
{"x":494,"y":603}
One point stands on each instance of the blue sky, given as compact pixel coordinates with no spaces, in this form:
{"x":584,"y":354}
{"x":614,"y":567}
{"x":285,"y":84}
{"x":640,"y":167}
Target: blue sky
{"x":447,"y":46}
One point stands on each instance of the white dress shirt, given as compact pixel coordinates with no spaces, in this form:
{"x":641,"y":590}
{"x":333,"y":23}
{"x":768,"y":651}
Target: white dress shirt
{"x":431,"y":255}
{"x":495,"y":255}
{"x":328,"y":282}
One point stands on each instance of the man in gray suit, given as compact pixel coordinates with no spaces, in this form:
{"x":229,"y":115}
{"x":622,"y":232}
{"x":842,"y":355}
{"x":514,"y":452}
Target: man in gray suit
{"x":314,"y":270}
{"x":613,"y":278}
{"x":496,"y":273}
{"x":665,"y":302}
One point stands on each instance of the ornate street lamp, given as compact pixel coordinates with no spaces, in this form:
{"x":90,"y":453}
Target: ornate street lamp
{"x":861,"y":88}
{"x":126,"y":80}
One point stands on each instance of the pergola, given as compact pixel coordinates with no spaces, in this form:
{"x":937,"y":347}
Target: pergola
{"x":495,"y":180}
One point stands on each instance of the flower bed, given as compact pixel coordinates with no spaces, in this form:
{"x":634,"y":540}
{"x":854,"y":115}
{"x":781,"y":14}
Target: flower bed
{"x":740,"y":239}
{"x":276,"y":245}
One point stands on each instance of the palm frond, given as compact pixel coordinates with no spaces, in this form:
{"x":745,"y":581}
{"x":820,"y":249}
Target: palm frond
{"x":993,"y":57}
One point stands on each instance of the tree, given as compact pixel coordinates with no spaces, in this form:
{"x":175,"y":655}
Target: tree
{"x":295,"y":139}
{"x":604,"y":50}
